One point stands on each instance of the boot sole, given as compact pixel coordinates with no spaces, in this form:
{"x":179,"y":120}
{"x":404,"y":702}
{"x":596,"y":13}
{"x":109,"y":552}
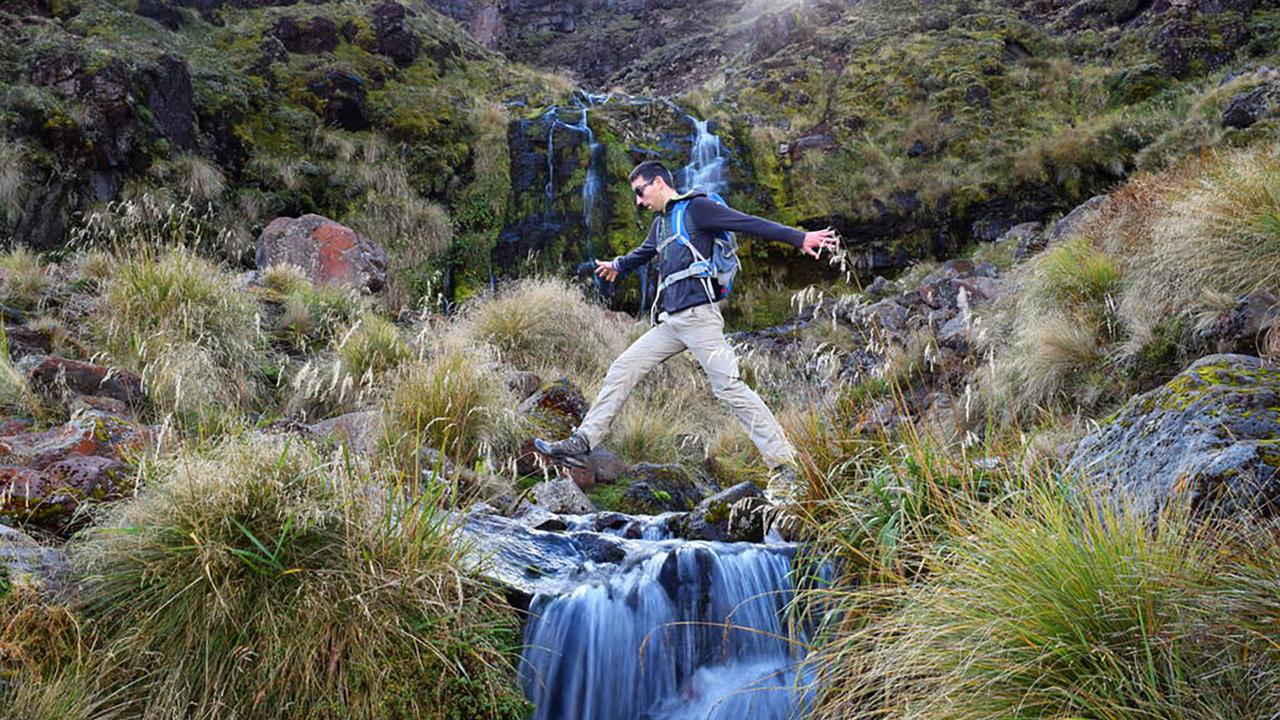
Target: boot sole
{"x":577,"y":461}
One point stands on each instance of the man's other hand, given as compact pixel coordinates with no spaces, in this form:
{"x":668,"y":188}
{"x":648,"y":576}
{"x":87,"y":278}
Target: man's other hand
{"x":606,"y":271}
{"x":818,"y":240}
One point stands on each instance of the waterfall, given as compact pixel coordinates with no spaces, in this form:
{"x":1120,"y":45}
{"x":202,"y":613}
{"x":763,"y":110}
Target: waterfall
{"x":592,"y":183}
{"x":706,"y":168}
{"x":691,"y":631}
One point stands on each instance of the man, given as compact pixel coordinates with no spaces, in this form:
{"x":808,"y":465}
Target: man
{"x":689,"y":319}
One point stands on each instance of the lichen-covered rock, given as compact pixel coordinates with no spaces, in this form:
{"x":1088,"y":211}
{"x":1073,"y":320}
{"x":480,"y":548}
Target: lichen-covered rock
{"x":24,"y":559}
{"x":736,"y":514}
{"x":655,"y":489}
{"x":49,"y":498}
{"x":329,"y":253}
{"x":1210,"y":436}
{"x":92,"y":432}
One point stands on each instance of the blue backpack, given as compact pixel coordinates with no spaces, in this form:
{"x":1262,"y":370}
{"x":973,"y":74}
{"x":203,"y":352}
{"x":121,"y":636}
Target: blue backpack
{"x":722,"y":266}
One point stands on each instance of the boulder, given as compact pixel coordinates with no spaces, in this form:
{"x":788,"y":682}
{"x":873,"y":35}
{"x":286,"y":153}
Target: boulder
{"x":736,"y":514}
{"x":1075,"y":219}
{"x":655,"y":489}
{"x":391,"y":36}
{"x":359,"y":431}
{"x":562,"y":495}
{"x":308,"y":37}
{"x":1207,"y":437}
{"x":605,"y":467}
{"x":523,"y":383}
{"x":22,"y":558}
{"x":556,"y":409}
{"x":1242,"y":327}
{"x":91,"y":432}
{"x":1250,"y":106}
{"x":329,"y":253}
{"x":49,"y":498}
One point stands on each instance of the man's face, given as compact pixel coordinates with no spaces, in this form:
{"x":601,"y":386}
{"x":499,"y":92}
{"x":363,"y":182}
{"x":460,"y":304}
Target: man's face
{"x":649,"y":193}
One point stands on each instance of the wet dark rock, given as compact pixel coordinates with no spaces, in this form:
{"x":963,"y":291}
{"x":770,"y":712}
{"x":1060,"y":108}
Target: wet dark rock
{"x":1207,"y":437}
{"x":308,"y":37}
{"x":1250,"y":106}
{"x":523,"y":559}
{"x":168,"y":90}
{"x":599,"y":548}
{"x":655,"y":489}
{"x":732,"y":515}
{"x":329,"y":253}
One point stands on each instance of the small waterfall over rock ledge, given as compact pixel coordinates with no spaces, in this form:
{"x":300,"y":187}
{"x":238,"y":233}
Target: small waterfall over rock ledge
{"x":622,"y":628}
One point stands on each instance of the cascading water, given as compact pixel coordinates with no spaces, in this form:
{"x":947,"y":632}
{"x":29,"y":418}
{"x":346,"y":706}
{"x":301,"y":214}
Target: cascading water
{"x":684,"y":630}
{"x":591,"y":209}
{"x":706,"y":168}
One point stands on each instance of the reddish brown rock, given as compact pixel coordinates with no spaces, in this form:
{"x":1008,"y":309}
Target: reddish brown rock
{"x":58,"y":375}
{"x":329,"y":253}
{"x":49,"y":498}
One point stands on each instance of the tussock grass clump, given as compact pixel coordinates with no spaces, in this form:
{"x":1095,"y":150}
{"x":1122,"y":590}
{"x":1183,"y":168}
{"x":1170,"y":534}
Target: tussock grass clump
{"x":23,"y":280}
{"x":356,"y":373}
{"x":545,"y":326}
{"x":1067,"y":608}
{"x":1062,"y":332}
{"x":13,"y":177}
{"x":310,"y":315}
{"x":259,"y":580}
{"x":188,"y":328}
{"x":17,"y":399}
{"x":1220,"y":233}
{"x":454,"y":401}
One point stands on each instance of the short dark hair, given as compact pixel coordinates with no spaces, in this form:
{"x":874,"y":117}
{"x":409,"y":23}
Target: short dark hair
{"x":650,"y":169}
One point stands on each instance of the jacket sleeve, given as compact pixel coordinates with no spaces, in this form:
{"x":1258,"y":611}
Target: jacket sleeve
{"x":642,"y":254}
{"x":708,"y":214}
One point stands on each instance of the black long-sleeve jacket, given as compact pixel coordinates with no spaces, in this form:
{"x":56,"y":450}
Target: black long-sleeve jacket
{"x":703,"y":218}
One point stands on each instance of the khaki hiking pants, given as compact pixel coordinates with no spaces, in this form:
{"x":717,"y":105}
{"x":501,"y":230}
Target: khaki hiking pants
{"x":700,"y":329}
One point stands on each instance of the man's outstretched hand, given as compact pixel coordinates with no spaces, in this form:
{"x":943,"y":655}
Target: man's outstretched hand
{"x":818,"y":240}
{"x":605,"y":270}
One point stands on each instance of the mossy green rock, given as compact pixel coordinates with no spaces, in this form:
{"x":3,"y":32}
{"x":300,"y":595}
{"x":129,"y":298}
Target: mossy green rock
{"x":655,"y":489}
{"x":1210,"y":437}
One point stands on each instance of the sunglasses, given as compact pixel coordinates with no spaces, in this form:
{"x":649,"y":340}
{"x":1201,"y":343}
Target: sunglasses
{"x":641,"y":188}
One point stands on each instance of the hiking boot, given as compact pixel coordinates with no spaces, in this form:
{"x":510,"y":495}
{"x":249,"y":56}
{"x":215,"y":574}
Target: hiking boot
{"x":783,"y":487}
{"x":571,"y":451}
